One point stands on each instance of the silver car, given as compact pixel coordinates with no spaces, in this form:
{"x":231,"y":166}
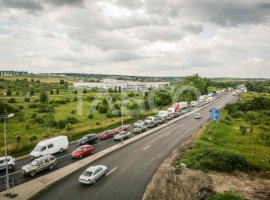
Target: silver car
{"x":92,"y":174}
{"x":39,"y":164}
{"x":10,"y":162}
{"x":123,"y":134}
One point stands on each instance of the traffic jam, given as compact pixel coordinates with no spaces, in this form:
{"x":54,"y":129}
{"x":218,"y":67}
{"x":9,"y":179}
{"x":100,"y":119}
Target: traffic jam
{"x":42,"y":156}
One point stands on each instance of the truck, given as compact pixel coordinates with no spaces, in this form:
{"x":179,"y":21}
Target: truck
{"x":183,"y":104}
{"x":50,"y":146}
{"x":163,"y":113}
{"x":193,"y":103}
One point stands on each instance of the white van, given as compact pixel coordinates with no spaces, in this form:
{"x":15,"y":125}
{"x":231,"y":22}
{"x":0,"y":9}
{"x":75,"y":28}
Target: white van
{"x":163,"y":113}
{"x":50,"y":146}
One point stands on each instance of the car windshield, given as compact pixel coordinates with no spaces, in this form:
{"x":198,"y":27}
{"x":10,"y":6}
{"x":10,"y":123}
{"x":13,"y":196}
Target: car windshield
{"x":4,"y":161}
{"x":87,"y":173}
{"x":38,"y":148}
{"x":34,"y":163}
{"x":79,"y":149}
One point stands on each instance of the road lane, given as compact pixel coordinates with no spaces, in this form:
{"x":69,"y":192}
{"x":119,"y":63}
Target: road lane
{"x":135,"y":167}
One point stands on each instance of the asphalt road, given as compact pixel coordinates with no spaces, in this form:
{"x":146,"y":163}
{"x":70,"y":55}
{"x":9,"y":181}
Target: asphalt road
{"x":131,"y":167}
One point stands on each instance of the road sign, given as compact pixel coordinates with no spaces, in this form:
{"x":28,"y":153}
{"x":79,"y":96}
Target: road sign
{"x":215,"y":114}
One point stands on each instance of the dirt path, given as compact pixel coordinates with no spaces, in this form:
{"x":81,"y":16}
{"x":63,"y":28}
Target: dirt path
{"x":168,"y":183}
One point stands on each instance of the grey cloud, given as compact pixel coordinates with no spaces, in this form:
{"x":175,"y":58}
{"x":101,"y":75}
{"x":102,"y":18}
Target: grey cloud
{"x":65,"y":2}
{"x":22,"y":4}
{"x":122,"y":56}
{"x":193,"y":28}
{"x":131,"y":4}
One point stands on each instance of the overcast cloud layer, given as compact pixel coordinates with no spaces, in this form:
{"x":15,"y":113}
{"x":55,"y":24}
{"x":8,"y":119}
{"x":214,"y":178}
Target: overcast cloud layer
{"x":137,"y":37}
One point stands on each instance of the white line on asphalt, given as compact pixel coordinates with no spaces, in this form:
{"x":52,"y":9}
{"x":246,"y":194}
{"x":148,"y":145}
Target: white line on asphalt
{"x":11,"y":174}
{"x":168,"y":134}
{"x":111,"y":171}
{"x":146,"y":147}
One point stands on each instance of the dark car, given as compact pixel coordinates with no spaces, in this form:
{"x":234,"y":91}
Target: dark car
{"x":151,"y":124}
{"x":90,"y":138}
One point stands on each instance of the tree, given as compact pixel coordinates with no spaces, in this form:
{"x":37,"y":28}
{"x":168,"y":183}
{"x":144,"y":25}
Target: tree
{"x":62,"y":82}
{"x":32,"y":92}
{"x":8,"y":92}
{"x":51,"y":91}
{"x":43,"y":97}
{"x":57,"y":90}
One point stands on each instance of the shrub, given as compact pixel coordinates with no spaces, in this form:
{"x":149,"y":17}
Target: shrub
{"x":102,"y":109}
{"x":72,"y":120}
{"x":68,"y":127}
{"x":32,"y":138}
{"x":21,"y":107}
{"x":8,"y":92}
{"x":26,"y":99}
{"x":38,"y":120}
{"x":33,"y":105}
{"x":73,"y":112}
{"x":225,"y":196}
{"x":43,"y":97}
{"x":243,"y":129}
{"x":12,"y":100}
{"x":45,"y":109}
{"x":49,"y":121}
{"x":90,"y":116}
{"x":34,"y":115}
{"x":18,"y":139}
{"x":224,"y":121}
{"x":61,"y":123}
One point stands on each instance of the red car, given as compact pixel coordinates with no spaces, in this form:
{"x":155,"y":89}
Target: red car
{"x":82,"y":151}
{"x":106,"y":134}
{"x":122,"y":128}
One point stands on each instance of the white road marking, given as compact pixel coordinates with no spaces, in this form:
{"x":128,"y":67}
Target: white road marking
{"x":111,"y":171}
{"x":11,"y":174}
{"x":168,"y":134}
{"x":146,"y":147}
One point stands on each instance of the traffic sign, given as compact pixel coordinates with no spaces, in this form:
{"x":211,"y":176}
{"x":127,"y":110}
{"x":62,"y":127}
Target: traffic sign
{"x":215,"y":114}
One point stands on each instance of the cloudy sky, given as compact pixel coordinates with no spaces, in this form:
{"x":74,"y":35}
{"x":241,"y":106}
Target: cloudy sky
{"x":228,"y":38}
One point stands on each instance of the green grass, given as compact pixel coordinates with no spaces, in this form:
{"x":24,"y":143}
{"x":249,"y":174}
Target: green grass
{"x":222,"y":147}
{"x":225,"y":196}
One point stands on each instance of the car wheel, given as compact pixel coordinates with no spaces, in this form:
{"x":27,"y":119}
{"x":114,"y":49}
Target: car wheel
{"x":32,"y":173}
{"x":94,"y":181}
{"x":61,"y":150}
{"x":105,"y":173}
{"x":10,"y":167}
{"x":80,"y":156}
{"x":51,"y":167}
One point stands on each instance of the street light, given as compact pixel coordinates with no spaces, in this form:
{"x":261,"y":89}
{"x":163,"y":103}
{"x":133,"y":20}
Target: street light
{"x":5,"y":117}
{"x":122,"y":140}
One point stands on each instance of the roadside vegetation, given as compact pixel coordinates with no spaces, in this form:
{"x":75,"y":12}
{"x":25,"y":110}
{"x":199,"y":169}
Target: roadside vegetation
{"x":239,"y":141}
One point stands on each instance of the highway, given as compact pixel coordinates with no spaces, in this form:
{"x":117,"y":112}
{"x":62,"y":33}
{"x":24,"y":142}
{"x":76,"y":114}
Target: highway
{"x":131,"y":167}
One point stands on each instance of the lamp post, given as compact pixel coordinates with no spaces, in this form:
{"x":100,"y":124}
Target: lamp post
{"x":122,"y":140}
{"x":5,"y":117}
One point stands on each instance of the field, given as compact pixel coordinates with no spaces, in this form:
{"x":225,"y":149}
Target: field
{"x":240,"y":141}
{"x":60,"y":114}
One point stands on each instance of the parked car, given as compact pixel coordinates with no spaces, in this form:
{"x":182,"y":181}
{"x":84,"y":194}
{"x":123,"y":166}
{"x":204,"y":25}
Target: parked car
{"x":138,"y":123}
{"x":122,"y":128}
{"x":123,"y":134}
{"x":92,"y":174}
{"x":169,"y":117}
{"x":198,"y":116}
{"x":139,"y":129}
{"x":106,"y":134}
{"x":39,"y":164}
{"x":10,"y":162}
{"x":50,"y":146}
{"x":87,"y":139}
{"x":82,"y":151}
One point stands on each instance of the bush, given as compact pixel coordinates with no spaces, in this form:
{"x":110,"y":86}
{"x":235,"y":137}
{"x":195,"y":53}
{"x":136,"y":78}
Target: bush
{"x":49,"y":121}
{"x":43,"y":97}
{"x":21,"y":107}
{"x":8,"y":92}
{"x":225,"y":161}
{"x":38,"y":120}
{"x":243,"y":129}
{"x":225,"y":196}
{"x":224,"y":121}
{"x":33,"y":105}
{"x":26,"y":99}
{"x":73,"y":112}
{"x":18,"y":139}
{"x":32,"y":138}
{"x":72,"y":120}
{"x":34,"y":115}
{"x":45,"y":109}
{"x":68,"y":127}
{"x":11,"y":100}
{"x":102,"y":109}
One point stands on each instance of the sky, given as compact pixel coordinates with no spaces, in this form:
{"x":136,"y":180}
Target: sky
{"x":213,"y":38}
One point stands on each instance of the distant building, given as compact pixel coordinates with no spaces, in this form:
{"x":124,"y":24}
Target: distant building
{"x":125,"y":85}
{"x":13,"y":73}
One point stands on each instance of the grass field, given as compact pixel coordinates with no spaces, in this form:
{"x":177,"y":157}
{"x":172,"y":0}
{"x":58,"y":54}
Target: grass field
{"x":223,"y":147}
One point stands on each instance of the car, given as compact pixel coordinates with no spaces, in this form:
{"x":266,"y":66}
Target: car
{"x":138,"y":123}
{"x":106,"y":134}
{"x":169,"y":117}
{"x":39,"y":164}
{"x":149,"y":119}
{"x":151,"y":125}
{"x":198,"y":116}
{"x":82,"y":151}
{"x":92,"y":174}
{"x":123,"y":134}
{"x":122,"y":128}
{"x":87,"y":139}
{"x":183,"y":111}
{"x":139,"y":129}
{"x":10,"y":162}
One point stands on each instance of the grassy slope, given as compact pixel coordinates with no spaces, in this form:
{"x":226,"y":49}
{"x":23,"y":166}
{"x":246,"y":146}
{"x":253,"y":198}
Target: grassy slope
{"x":221,"y":137}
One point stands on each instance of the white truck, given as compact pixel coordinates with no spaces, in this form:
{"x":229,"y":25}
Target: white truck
{"x":163,"y":113}
{"x":193,"y":103}
{"x":183,"y":104}
{"x":50,"y":146}
{"x":170,"y":110}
